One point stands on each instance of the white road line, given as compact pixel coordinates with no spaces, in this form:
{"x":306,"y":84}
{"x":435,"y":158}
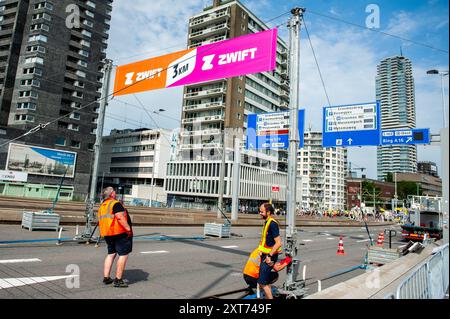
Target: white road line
{"x":155,"y":252}
{"x":331,"y":238}
{"x":361,"y":241}
{"x":17,"y":282}
{"x":16,"y":261}
{"x":228,"y":247}
{"x":307,"y":240}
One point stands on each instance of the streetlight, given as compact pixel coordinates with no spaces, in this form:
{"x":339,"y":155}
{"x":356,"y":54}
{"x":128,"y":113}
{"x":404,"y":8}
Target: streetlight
{"x":442,"y":74}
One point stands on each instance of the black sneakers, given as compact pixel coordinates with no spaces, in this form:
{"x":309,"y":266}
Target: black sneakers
{"x":107,"y":280}
{"x":119,"y":283}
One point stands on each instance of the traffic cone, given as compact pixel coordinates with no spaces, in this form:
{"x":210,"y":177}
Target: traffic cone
{"x":380,"y":240}
{"x":340,"y":250}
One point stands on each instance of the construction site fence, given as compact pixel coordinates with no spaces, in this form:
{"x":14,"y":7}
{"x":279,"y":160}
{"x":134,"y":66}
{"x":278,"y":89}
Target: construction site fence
{"x":428,"y":281}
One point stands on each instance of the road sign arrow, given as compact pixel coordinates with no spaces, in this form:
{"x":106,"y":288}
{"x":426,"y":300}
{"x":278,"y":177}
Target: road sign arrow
{"x":409,"y":139}
{"x":350,"y":140}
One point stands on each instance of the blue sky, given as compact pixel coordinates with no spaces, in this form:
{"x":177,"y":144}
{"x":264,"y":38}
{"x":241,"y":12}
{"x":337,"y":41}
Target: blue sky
{"x":347,"y":56}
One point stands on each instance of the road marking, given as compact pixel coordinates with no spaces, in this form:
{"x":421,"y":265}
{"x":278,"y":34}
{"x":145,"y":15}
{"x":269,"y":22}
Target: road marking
{"x":228,"y":247}
{"x":16,"y":261}
{"x":361,"y":241}
{"x":330,"y":238}
{"x":17,"y":282}
{"x":155,"y":252}
{"x":307,"y":240}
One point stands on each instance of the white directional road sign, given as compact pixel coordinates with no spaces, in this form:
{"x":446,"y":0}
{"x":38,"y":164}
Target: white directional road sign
{"x":351,"y":125}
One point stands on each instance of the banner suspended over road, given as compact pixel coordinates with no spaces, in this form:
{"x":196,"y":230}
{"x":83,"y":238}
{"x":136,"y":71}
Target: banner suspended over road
{"x":252,"y":53}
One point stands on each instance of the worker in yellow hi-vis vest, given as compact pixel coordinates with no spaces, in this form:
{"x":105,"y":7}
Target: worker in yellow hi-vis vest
{"x":269,"y":246}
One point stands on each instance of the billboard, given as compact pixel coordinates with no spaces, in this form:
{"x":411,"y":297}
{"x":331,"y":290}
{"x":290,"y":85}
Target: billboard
{"x":40,"y":161}
{"x":251,"y":53}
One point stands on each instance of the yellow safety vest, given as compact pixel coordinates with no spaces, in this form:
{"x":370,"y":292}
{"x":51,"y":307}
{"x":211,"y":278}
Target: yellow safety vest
{"x":262,"y":244}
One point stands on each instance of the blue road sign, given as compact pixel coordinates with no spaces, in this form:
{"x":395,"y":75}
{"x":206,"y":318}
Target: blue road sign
{"x":351,"y":125}
{"x":271,"y":130}
{"x":405,"y":136}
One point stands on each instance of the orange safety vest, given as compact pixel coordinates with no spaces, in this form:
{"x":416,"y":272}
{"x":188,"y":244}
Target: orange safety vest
{"x":107,"y":221}
{"x":252,"y":266}
{"x":262,"y":244}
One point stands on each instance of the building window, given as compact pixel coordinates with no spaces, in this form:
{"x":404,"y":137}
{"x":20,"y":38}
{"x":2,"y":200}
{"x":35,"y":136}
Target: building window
{"x":26,"y":106}
{"x":73,"y":127}
{"x":24,"y":118}
{"x":75,"y":144}
{"x":43,"y":5}
{"x":75,"y":116}
{"x":36,"y":48}
{"x":60,"y":141}
{"x":23,"y":94}
{"x":35,"y":59}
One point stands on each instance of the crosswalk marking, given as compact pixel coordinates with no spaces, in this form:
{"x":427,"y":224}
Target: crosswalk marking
{"x":155,"y":252}
{"x":307,"y":240}
{"x":16,"y":261}
{"x":330,"y":238}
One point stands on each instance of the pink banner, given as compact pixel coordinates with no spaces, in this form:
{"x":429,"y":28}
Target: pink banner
{"x":252,"y":53}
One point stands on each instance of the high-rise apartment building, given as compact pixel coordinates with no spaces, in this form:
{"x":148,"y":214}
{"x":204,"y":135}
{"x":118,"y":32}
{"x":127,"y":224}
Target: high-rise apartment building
{"x":429,"y":168}
{"x":395,"y":91}
{"x":322,"y":171}
{"x":51,"y":60}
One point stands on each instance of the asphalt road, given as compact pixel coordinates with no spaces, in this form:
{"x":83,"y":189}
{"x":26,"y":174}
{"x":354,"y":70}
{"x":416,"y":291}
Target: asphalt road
{"x":177,"y":268}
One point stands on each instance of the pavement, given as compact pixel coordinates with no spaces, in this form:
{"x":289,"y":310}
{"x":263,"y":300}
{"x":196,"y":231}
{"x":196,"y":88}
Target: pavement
{"x":169,"y":269}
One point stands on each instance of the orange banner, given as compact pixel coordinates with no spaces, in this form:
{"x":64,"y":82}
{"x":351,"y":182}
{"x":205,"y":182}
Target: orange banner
{"x":150,"y":74}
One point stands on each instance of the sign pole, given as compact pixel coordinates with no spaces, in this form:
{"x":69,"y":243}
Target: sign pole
{"x":97,"y":150}
{"x":236,"y":179}
{"x":221,"y":177}
{"x":291,"y":240}
{"x":444,"y":165}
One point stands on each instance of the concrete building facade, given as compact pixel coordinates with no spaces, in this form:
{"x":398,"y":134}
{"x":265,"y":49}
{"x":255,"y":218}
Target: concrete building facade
{"x":51,"y":60}
{"x":322,"y":171}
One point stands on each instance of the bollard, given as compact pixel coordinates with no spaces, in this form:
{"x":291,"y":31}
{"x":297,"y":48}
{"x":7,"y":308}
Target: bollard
{"x":76,"y":231}
{"x":304,"y":272}
{"x":59,"y":237}
{"x":319,"y":286}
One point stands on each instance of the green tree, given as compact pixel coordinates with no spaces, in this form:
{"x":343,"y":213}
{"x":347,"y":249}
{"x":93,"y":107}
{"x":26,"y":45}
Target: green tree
{"x":389,"y":178}
{"x":371,"y":193}
{"x":406,"y":188}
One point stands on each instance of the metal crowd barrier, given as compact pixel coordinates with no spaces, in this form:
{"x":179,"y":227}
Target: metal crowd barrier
{"x":429,"y":280}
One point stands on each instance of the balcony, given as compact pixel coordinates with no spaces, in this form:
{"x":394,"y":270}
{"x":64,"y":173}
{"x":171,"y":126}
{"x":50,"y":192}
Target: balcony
{"x":285,"y":85}
{"x":204,"y":119}
{"x":208,"y":19}
{"x":204,"y":106}
{"x":284,"y":94}
{"x":200,"y":146}
{"x":209,"y":31}
{"x":201,"y":133}
{"x":210,"y":92}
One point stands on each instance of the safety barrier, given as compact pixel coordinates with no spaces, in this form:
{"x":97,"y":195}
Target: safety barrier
{"x":429,"y":281}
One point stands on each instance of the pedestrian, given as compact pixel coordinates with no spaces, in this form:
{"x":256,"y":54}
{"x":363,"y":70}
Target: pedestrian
{"x":269,"y":246}
{"x":115,"y":226}
{"x":252,"y":268}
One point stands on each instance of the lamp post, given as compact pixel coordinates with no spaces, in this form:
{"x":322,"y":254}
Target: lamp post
{"x":441,"y":74}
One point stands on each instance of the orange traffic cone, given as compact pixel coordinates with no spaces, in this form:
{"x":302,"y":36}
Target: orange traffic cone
{"x":380,"y":240}
{"x":340,"y":250}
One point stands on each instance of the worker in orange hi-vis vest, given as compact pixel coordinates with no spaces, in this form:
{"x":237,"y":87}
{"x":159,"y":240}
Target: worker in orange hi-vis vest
{"x":115,"y":226}
{"x":251,"y":269}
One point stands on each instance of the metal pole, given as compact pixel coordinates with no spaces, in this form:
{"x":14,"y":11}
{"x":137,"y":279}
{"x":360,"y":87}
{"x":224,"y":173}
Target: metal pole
{"x":97,"y":147}
{"x":294,"y":76}
{"x":395,"y":195}
{"x":236,"y":179}
{"x":221,"y":178}
{"x":443,"y":99}
{"x":153,"y":180}
{"x":445,"y":190}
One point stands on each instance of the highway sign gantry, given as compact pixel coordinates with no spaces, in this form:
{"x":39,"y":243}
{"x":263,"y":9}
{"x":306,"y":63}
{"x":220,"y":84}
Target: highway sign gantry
{"x":405,"y":136}
{"x":271,"y":130}
{"x":351,"y":125}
